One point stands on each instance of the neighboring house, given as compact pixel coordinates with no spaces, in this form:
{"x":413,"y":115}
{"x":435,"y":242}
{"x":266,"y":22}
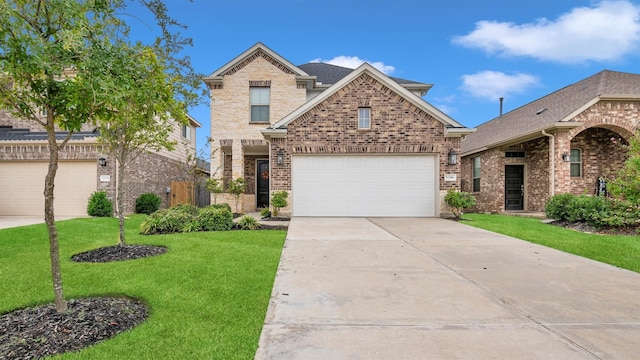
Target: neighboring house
{"x":341,"y":142}
{"x":83,"y":169}
{"x":561,"y":143}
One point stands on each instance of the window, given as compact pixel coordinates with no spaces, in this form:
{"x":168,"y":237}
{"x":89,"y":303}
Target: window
{"x":364,"y":118}
{"x":186,"y":131}
{"x":476,"y":174}
{"x":576,"y":163}
{"x":260,"y":104}
{"x":514,"y":154}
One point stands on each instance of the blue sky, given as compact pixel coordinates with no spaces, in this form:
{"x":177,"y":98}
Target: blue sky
{"x":472,"y":51}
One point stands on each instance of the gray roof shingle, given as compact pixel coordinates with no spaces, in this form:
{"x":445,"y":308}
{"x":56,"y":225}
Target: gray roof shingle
{"x":329,"y":74}
{"x":550,"y":109}
{"x":8,"y":133}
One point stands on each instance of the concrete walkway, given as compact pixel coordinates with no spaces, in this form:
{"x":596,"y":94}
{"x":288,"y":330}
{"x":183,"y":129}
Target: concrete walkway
{"x":435,"y":289}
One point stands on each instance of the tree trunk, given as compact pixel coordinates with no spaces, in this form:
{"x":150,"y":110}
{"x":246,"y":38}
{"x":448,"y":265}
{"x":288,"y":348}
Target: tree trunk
{"x":49,"y":217}
{"x":119,"y":199}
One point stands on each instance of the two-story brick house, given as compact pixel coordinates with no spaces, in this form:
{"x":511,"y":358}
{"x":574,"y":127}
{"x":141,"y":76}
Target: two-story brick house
{"x":563,"y":142}
{"x":84,"y":167}
{"x":341,"y":142}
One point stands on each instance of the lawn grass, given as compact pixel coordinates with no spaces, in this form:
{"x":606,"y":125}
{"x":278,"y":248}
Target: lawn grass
{"x":618,"y":250}
{"x":208,"y":295}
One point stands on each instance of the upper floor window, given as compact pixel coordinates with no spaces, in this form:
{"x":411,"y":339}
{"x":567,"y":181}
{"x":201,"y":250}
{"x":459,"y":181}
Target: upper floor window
{"x":476,"y":173}
{"x":364,"y":118}
{"x":260,"y":104}
{"x":576,"y":163}
{"x":186,"y":131}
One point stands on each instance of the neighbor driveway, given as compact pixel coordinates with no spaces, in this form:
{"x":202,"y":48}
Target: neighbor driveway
{"x":425,"y":288}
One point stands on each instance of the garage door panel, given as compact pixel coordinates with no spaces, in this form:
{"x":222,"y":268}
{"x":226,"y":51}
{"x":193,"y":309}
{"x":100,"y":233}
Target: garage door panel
{"x":22,"y":187}
{"x":363,"y":185}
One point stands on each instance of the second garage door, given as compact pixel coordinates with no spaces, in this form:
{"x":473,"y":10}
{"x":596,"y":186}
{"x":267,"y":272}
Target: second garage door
{"x":22,"y":186}
{"x":364,"y":185}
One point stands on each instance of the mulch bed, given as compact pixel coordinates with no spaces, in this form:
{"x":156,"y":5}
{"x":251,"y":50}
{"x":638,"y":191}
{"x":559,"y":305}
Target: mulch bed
{"x":41,"y":331}
{"x":119,"y":253}
{"x":586,"y":228}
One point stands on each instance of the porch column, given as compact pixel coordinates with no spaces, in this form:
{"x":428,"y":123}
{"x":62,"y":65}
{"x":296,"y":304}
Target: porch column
{"x":237,"y":159}
{"x":217,"y":160}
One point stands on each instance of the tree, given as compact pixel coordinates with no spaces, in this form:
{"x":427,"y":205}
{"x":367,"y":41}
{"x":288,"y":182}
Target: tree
{"x":626,"y":182}
{"x":278,"y":201}
{"x":214,"y":185}
{"x":236,"y":188}
{"x":459,"y":200}
{"x":55,"y":58}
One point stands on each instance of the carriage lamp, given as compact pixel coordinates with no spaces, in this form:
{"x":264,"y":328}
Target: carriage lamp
{"x":102,"y":161}
{"x":453,"y":157}
{"x":279,"y":157}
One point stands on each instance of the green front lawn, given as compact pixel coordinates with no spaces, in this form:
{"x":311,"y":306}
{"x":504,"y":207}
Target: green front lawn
{"x":618,"y":250}
{"x":208,"y":295}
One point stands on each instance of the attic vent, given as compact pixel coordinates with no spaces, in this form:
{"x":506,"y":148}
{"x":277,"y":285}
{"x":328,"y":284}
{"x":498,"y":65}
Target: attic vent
{"x":541,"y":111}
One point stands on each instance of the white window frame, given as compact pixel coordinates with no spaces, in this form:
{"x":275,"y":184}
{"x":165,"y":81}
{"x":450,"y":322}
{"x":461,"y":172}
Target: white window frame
{"x":475,"y":175}
{"x":364,"y":118}
{"x":575,"y":161}
{"x":259,"y":101}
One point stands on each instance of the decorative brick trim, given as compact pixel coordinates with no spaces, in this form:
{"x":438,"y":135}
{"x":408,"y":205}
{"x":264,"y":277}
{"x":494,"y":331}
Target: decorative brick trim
{"x":217,"y":86}
{"x":253,"y":142}
{"x":301,"y":86}
{"x":226,"y":142}
{"x":254,"y":56}
{"x":368,"y":149}
{"x":260,"y":83}
{"x":41,"y":152}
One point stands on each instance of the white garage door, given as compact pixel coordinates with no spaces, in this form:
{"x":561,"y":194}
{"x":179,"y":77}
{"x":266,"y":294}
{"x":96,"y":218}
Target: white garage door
{"x":364,"y":185}
{"x":22,"y":186}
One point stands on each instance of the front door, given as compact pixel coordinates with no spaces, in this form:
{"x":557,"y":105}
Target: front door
{"x":262,"y":184}
{"x":514,"y":187}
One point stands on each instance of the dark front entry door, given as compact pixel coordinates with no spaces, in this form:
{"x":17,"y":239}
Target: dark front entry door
{"x":262,"y":184}
{"x":514,"y":187}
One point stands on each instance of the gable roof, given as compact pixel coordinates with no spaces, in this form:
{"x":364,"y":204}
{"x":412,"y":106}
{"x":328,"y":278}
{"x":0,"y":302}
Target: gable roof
{"x":555,"y":110}
{"x":245,"y":57}
{"x":452,"y":127}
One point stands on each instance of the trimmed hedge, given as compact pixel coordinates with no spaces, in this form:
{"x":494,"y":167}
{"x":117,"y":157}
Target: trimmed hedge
{"x":215,"y":219}
{"x":597,"y":211}
{"x":99,"y":205}
{"x":148,"y":203}
{"x":188,"y":218}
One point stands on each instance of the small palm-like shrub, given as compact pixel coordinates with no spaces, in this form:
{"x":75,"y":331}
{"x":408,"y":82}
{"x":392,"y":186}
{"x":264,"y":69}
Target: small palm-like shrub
{"x":265,"y":212}
{"x":166,"y":222}
{"x":215,"y":219}
{"x":99,"y":205}
{"x":148,"y":203}
{"x":186,"y":208}
{"x":248,"y":222}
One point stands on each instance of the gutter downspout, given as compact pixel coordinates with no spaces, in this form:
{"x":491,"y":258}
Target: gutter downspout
{"x":552,"y":162}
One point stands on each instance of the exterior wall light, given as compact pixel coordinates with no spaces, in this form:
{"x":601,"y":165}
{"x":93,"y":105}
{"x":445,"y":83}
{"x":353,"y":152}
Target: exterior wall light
{"x":453,"y":157}
{"x":102,"y":161}
{"x":566,"y":157}
{"x":279,"y":157}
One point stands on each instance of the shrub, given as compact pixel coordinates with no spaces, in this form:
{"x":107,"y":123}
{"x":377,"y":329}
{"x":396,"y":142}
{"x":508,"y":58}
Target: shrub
{"x":236,"y":188}
{"x":557,"y":207}
{"x":265,"y":212}
{"x":224,"y":206}
{"x":99,"y":205}
{"x":278,"y":201}
{"x":459,"y":200}
{"x":248,"y":222}
{"x":148,"y":203}
{"x":186,"y":208}
{"x":166,"y":222}
{"x":215,"y":219}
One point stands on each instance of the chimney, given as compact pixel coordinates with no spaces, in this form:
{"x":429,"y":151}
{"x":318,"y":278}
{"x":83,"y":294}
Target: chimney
{"x":501,"y":100}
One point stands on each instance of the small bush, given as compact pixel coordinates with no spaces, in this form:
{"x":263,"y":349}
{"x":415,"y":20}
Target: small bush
{"x":215,"y":219}
{"x":248,"y":222}
{"x":459,"y":200}
{"x":557,"y":207}
{"x":278,"y":201}
{"x":224,"y":206}
{"x":166,"y":222}
{"x":99,"y":205}
{"x":265,"y":212}
{"x":148,"y":203}
{"x":186,"y":208}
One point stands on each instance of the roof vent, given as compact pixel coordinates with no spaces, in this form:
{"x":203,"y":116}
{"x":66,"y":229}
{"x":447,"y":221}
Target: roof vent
{"x":541,"y":111}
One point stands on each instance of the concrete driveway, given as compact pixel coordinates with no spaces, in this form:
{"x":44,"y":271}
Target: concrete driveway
{"x":350,"y":288}
{"x":15,"y":221}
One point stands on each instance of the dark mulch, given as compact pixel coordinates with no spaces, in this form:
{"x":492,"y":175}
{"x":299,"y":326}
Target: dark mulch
{"x":39,"y":332}
{"x":119,"y":253}
{"x":586,"y":228}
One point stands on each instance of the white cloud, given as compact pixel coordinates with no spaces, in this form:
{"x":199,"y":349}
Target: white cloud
{"x":353,"y":62}
{"x":604,"y":32}
{"x":492,"y":85}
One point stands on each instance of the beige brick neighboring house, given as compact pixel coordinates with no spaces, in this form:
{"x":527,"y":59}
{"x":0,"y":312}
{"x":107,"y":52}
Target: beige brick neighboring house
{"x":563,"y":142}
{"x":342,"y":142}
{"x":24,"y":156}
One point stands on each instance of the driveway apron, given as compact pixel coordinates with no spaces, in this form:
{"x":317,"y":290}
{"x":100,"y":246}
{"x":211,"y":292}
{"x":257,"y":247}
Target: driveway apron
{"x":428,"y":288}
